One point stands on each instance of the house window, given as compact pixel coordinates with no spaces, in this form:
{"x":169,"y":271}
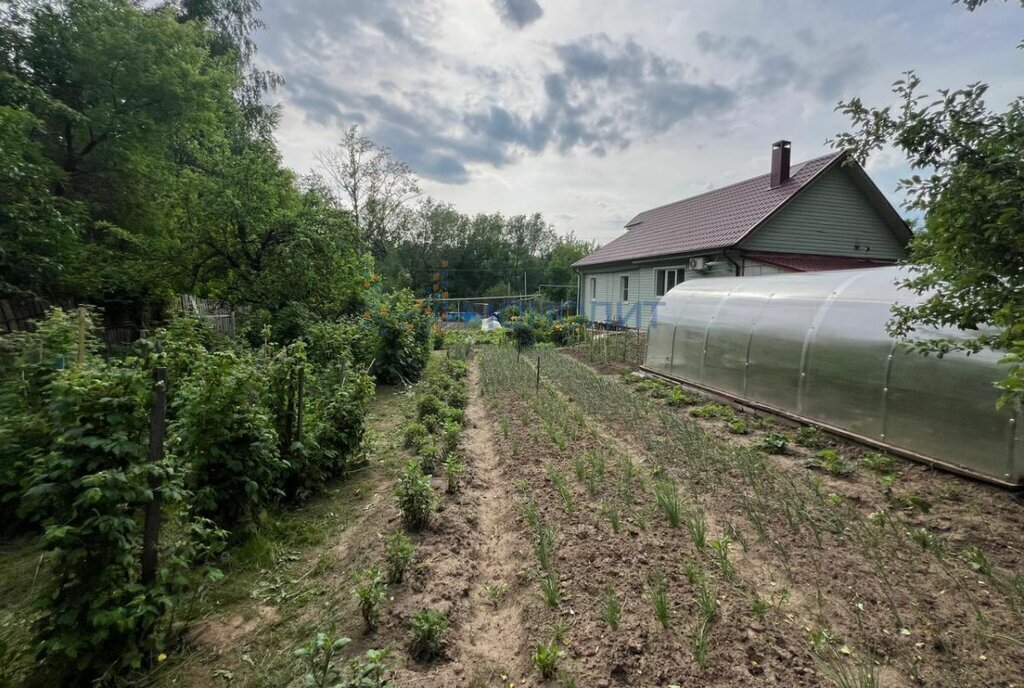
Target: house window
{"x":624,"y":284}
{"x":667,"y":278}
{"x":593,"y":288}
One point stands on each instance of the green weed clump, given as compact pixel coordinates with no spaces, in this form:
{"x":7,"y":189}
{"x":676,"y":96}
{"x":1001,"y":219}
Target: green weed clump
{"x":370,"y":592}
{"x":494,"y":592}
{"x":551,"y":588}
{"x":657,"y":594}
{"x":545,"y":659}
{"x":709,"y":411}
{"x":415,"y":497}
{"x":831,"y":462}
{"x":928,"y":541}
{"x":876,"y":462}
{"x":774,"y":443}
{"x":454,"y":467}
{"x":370,"y":671}
{"x":428,"y":629}
{"x":564,"y":491}
{"x":656,"y":388}
{"x":611,"y":610}
{"x":398,"y":554}
{"x":680,"y":397}
{"x":811,"y":437}
{"x":667,"y":496}
{"x":737,"y":427}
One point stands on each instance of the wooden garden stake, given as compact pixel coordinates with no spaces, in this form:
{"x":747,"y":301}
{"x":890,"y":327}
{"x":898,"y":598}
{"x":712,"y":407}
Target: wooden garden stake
{"x":299,"y":404}
{"x":80,"y":359}
{"x":151,"y":529}
{"x":538,"y":374}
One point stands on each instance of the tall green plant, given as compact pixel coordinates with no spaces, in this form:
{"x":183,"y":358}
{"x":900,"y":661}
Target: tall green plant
{"x":29,"y":362}
{"x":224,"y":430}
{"x":96,"y":618}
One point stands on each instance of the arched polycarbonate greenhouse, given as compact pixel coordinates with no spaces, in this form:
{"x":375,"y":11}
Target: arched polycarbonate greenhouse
{"x":813,"y":347}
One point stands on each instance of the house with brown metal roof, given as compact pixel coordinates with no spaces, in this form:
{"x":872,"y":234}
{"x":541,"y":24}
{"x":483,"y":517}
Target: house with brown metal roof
{"x":822,"y":214}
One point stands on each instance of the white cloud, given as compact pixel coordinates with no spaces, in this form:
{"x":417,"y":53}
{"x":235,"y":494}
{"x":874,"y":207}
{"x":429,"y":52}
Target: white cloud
{"x":591,"y":112}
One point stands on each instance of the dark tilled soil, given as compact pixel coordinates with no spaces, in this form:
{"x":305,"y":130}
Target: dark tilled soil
{"x":869,"y":597}
{"x":922,"y":619}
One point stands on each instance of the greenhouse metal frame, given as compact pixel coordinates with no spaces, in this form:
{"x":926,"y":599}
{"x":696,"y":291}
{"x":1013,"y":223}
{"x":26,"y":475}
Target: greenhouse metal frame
{"x":813,"y":347}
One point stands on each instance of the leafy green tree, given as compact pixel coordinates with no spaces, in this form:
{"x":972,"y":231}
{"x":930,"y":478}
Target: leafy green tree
{"x":558,"y":266}
{"x":969,"y":185}
{"x":118,"y":92}
{"x":39,"y":230}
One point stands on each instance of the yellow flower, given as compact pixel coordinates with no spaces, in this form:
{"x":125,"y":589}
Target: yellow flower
{"x":161,"y":657}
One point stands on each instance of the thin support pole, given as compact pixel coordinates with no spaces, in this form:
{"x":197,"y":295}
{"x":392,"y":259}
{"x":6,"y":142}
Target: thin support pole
{"x":299,"y":404}
{"x":538,"y":374}
{"x":151,"y":529}
{"x":289,"y":416}
{"x":80,"y":358}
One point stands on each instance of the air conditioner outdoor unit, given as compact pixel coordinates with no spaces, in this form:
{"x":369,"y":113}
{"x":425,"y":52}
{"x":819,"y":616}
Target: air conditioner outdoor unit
{"x":699,"y":264}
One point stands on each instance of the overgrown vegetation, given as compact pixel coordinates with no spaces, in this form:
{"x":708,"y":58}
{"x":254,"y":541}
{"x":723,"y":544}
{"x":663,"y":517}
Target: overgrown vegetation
{"x":236,"y":442}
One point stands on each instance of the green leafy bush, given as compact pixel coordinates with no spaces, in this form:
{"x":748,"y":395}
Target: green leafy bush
{"x":428,"y":405}
{"x":415,"y":497}
{"x":370,"y":591}
{"x":774,"y":443}
{"x":97,"y":620}
{"x":224,"y":429}
{"x":336,"y":419}
{"x":398,"y":554}
{"x":521,"y":334}
{"x":403,"y":331}
{"x":450,"y":432}
{"x":428,"y":630}
{"x":370,"y":671}
{"x":414,"y":434}
{"x":29,"y":362}
{"x":567,"y":331}
{"x":454,"y":467}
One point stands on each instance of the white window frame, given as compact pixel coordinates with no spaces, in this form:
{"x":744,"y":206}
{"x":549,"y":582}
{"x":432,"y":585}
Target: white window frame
{"x":593,"y":288}
{"x":680,"y":277}
{"x":624,"y":288}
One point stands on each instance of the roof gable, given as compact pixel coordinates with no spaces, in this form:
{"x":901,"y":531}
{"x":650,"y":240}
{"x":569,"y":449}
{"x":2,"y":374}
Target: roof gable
{"x":713,"y":220}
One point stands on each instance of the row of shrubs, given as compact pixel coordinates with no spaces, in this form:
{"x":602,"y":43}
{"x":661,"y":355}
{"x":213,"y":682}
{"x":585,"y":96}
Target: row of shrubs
{"x":246,"y":428}
{"x":440,"y":405}
{"x":440,"y":402}
{"x":539,"y":328}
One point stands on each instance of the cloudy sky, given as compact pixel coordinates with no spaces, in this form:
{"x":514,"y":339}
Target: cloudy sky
{"x":590,"y":111}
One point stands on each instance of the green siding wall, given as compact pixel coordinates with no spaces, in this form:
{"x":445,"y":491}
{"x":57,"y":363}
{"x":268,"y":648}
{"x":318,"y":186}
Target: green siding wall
{"x":828,"y":218}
